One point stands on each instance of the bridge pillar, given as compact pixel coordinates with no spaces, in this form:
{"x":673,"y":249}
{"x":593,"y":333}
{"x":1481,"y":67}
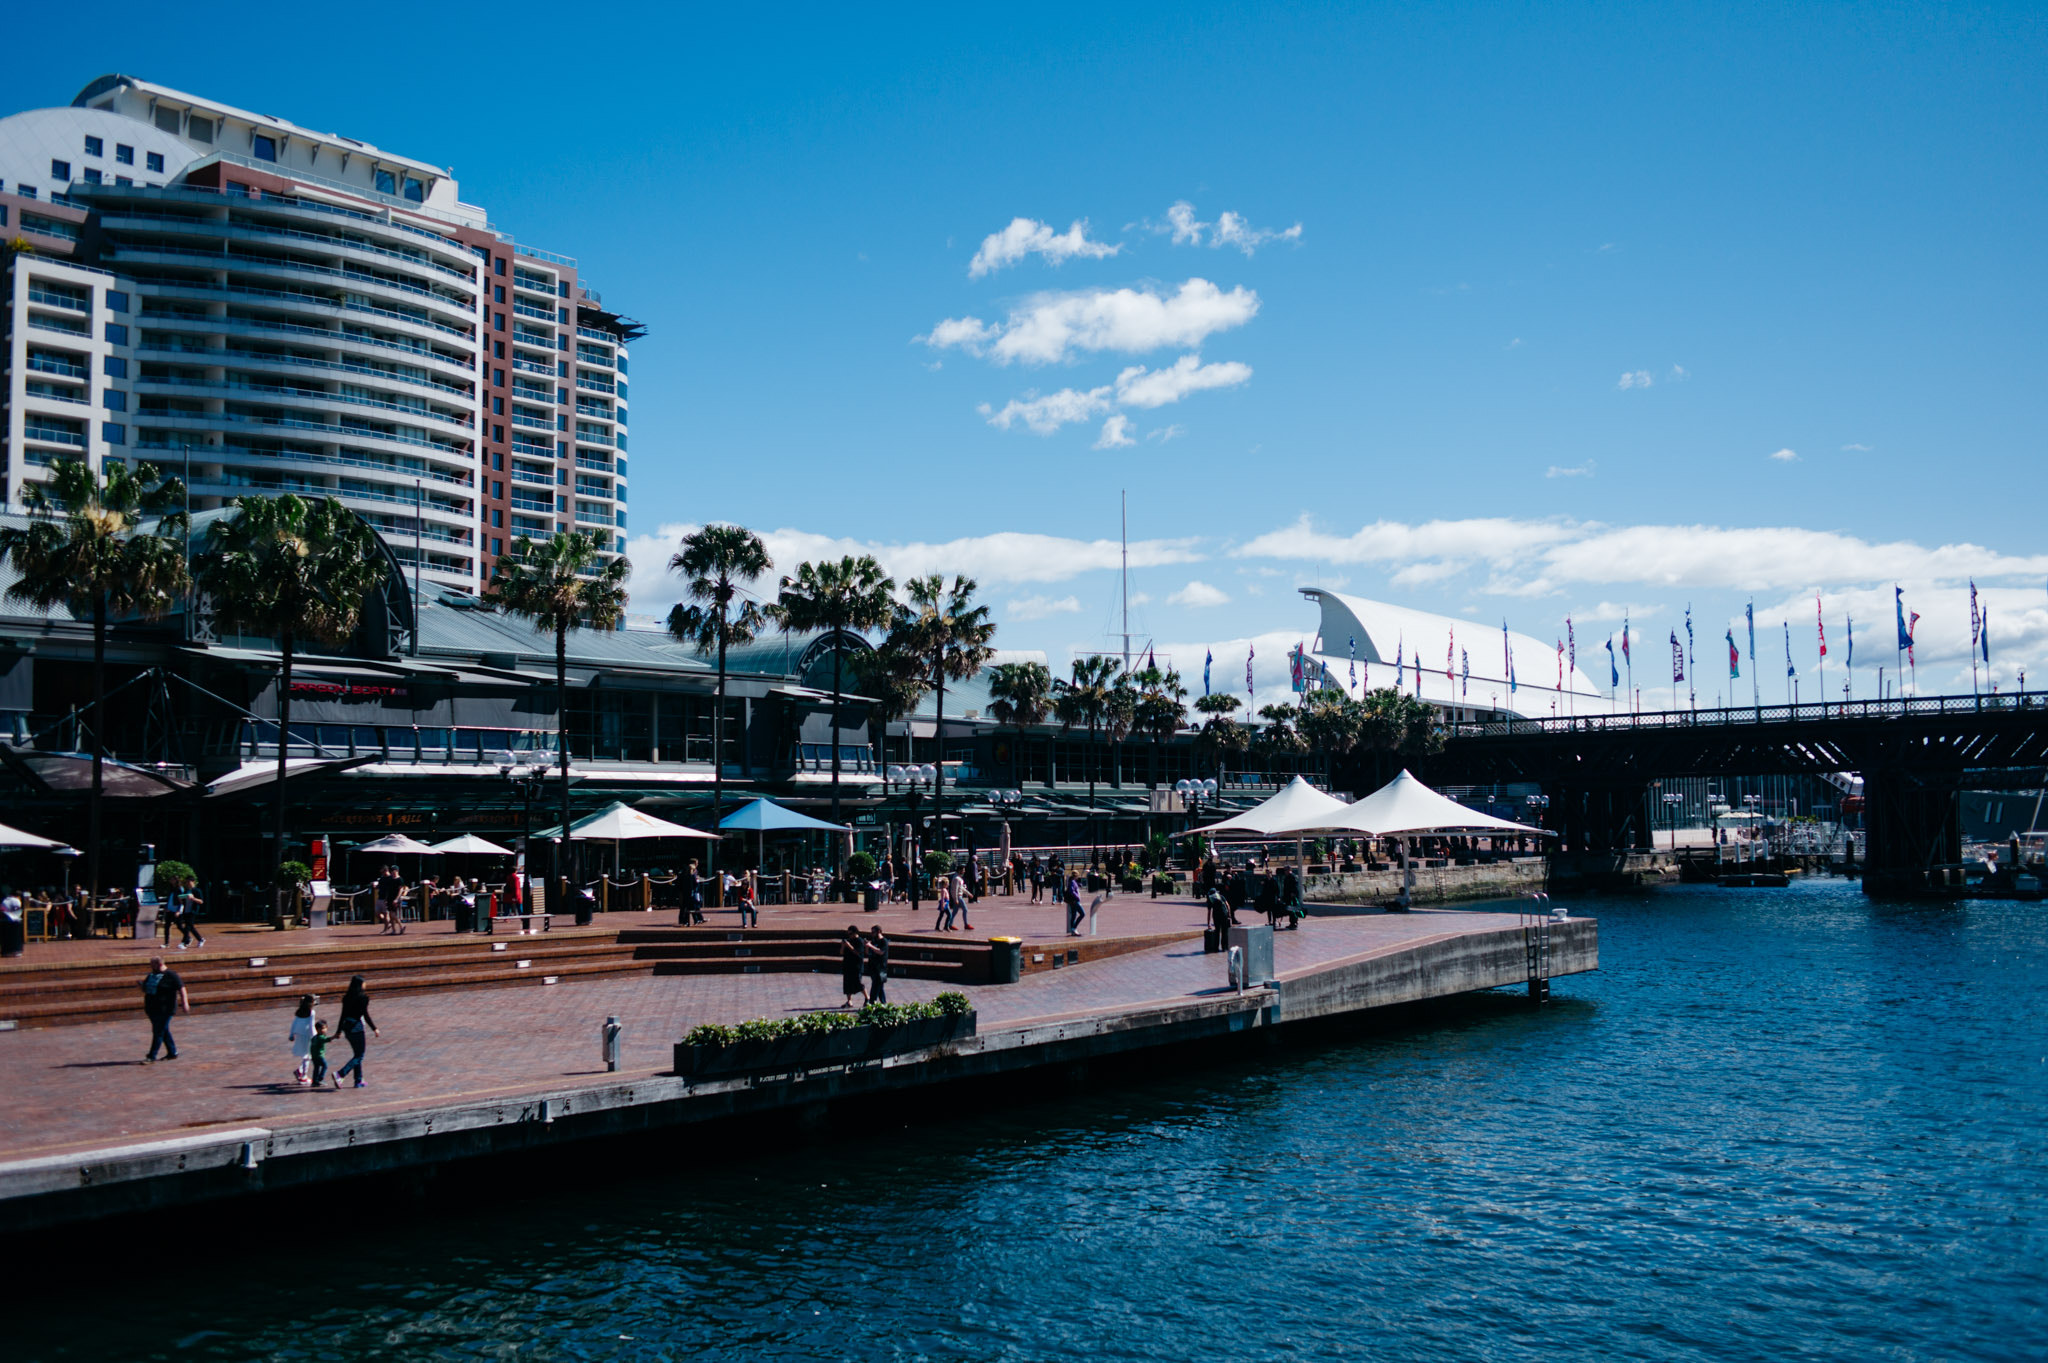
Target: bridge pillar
{"x":1913,"y":832}
{"x":1603,"y":818}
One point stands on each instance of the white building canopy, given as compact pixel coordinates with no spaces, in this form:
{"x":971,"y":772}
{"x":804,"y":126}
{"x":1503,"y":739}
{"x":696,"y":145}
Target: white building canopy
{"x":1297,"y":805}
{"x":1405,"y":807}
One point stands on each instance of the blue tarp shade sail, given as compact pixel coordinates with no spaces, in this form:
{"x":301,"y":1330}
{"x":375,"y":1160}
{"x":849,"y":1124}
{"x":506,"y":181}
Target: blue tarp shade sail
{"x":765,"y":816}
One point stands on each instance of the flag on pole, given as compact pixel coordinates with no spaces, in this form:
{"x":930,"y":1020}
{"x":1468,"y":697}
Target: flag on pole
{"x":1984,"y":635}
{"x":1749,"y":612}
{"x":1820,"y":622}
{"x":1734,"y":656}
{"x":1451,"y":657}
{"x":1571,"y":645}
{"x":1465,"y":663}
{"x":1677,"y":659}
{"x":1613,"y":669}
{"x":1899,"y":608}
{"x":1976,"y":620}
{"x":1507,"y":649}
{"x":1560,"y":664}
{"x":1688,"y":633}
{"x":1354,"y":662}
{"x":1849,"y":646}
{"x":1626,"y":656}
{"x":1208,"y":660}
{"x":1400,"y":662}
{"x":1790,"y":671}
{"x":1911,"y":625}
{"x":1249,"y":693}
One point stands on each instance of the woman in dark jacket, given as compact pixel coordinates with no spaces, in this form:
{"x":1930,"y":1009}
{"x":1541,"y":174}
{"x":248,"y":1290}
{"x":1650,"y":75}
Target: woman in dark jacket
{"x":355,"y":1015}
{"x":877,"y":960}
{"x":850,"y":953}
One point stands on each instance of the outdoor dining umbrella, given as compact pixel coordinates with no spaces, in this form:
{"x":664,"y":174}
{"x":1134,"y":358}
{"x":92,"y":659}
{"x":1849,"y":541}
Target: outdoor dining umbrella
{"x":762,"y":817}
{"x":14,"y":838}
{"x":399,"y":844}
{"x":618,"y":822}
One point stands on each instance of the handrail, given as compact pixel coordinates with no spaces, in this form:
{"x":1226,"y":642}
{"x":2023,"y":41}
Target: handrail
{"x":1892,"y":707}
{"x":264,"y":324}
{"x":262,"y":358}
{"x":229,"y":227}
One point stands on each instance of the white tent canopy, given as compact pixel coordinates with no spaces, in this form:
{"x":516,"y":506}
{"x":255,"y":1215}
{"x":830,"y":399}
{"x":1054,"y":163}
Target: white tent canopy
{"x":622,"y":823}
{"x":1405,"y":807}
{"x":469,"y":844}
{"x":399,"y":842}
{"x":1297,"y":805}
{"x":13,"y":838}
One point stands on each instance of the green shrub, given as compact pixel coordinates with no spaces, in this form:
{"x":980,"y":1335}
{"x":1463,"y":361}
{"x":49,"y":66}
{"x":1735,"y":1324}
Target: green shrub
{"x":292,"y":874}
{"x":937,"y":863}
{"x":812,"y":1024}
{"x":1131,"y":884}
{"x":708,"y":1034}
{"x":861,"y":866}
{"x":169,"y":873}
{"x":953,"y":1004}
{"x":762,"y":1029}
{"x":1163,"y":883}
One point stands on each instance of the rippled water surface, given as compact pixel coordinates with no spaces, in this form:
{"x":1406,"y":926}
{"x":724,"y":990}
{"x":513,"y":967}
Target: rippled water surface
{"x":1775,"y":1123}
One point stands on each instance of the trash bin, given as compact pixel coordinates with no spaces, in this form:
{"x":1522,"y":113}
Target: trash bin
{"x":871,"y":898}
{"x":465,"y":914}
{"x":1005,"y":960}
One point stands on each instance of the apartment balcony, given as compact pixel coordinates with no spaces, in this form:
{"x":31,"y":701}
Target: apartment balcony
{"x":594,"y":383}
{"x":532,"y":477}
{"x":594,"y":462}
{"x":528,"y":310}
{"x":59,"y":300}
{"x":527,"y":366}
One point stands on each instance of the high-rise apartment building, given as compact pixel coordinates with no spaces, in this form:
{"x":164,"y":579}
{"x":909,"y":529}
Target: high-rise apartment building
{"x":256,"y":307}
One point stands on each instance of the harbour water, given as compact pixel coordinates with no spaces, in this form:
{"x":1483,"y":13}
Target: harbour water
{"x":1775,"y":1123}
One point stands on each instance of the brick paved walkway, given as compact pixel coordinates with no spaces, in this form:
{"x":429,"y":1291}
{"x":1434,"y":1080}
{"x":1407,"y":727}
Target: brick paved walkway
{"x":82,"y":1086}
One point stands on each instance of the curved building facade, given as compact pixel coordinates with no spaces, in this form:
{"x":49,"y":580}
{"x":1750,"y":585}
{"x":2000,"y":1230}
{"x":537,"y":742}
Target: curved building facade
{"x":261,"y":308}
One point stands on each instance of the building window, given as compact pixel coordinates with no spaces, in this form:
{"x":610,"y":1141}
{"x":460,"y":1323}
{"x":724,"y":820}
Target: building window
{"x":124,"y":153}
{"x":497,"y":518}
{"x":499,"y":268}
{"x":261,"y":147}
{"x":91,"y":176}
{"x":415,"y":190}
{"x":497,"y":545}
{"x":115,"y":400}
{"x":387,"y":183}
{"x":113,"y":432}
{"x":123,"y":180}
{"x":167,"y":120}
{"x":498,"y":350}
{"x":155,"y":160}
{"x":498,"y":463}
{"x":26,"y":191}
{"x":497,"y":432}
{"x":497,"y":378}
{"x":93,"y":146}
{"x":497,"y":406}
{"x":498,"y":294}
{"x":116,"y":334}
{"x":564,"y":315}
{"x":117,"y":367}
{"x":60,"y":170}
{"x":201,"y":130}
{"x":117,"y":301}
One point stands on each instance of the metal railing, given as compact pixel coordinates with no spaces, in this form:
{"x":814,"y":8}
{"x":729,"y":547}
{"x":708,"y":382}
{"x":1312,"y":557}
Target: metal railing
{"x":228,"y":228}
{"x":266,"y":325}
{"x":531,"y":367}
{"x":59,"y":300}
{"x":594,"y":334}
{"x":310,"y":456}
{"x":264,"y":358}
{"x":1892,"y":707}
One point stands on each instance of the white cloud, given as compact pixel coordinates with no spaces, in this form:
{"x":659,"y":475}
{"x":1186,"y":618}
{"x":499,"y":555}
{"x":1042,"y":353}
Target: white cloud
{"x":1856,"y":449}
{"x":1786,"y":456}
{"x":1039,"y":607}
{"x":1232,"y":230}
{"x":1616,"y":611}
{"x":1052,"y":327}
{"x":1026,"y":236}
{"x":1166,"y":433}
{"x":1539,"y":557}
{"x":1047,"y":414}
{"x":1007,"y":556}
{"x":1679,"y":373}
{"x":1186,"y":231}
{"x":1515,"y":344}
{"x":1584,"y":470}
{"x":1634,"y":378}
{"x":1116,"y":433}
{"x":1142,"y":387}
{"x":1229,"y":229}
{"x":1199,"y":594}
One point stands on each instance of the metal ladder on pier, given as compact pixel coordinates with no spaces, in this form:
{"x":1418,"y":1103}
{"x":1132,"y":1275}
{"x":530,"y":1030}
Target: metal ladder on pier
{"x":1536,"y":946}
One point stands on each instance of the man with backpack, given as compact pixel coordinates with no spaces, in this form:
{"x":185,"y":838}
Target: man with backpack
{"x":163,"y":995}
{"x":184,"y":913}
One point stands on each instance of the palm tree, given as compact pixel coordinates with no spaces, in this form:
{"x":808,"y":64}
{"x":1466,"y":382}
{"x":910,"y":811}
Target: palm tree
{"x":852,"y":595}
{"x":948,"y":635}
{"x":292,"y":570}
{"x":1331,"y":723}
{"x":1085,"y":698}
{"x":1162,"y":709}
{"x":562,"y":584}
{"x":896,"y":682}
{"x":1280,"y":740}
{"x":1020,"y":695}
{"x":717,"y":562}
{"x":80,"y":549}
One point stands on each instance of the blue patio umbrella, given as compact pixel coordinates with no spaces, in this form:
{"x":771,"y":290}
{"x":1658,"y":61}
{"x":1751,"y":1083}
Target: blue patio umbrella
{"x":762,"y":817}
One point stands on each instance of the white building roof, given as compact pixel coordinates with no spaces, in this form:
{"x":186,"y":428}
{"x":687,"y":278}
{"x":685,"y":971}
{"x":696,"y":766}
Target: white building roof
{"x":1445,"y":648}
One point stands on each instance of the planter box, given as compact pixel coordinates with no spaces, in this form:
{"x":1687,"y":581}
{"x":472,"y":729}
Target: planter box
{"x":822,"y":1048}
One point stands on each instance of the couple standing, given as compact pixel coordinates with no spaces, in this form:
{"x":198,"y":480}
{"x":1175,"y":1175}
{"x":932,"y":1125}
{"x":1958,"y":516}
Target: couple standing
{"x":864,"y":956}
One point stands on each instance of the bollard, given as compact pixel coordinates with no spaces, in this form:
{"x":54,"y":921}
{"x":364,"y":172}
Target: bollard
{"x":609,"y":1035}
{"x":1236,"y":964}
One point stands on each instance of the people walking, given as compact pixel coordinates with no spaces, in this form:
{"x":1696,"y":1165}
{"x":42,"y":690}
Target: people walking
{"x":163,"y":995}
{"x":850,"y":953}
{"x":301,"y":1037}
{"x":1075,"y":913}
{"x":961,"y":899}
{"x":1037,"y":880}
{"x":875,"y":958}
{"x":389,"y":888}
{"x":689,"y":897}
{"x":185,"y":905}
{"x":1291,"y":906}
{"x":355,"y":1016}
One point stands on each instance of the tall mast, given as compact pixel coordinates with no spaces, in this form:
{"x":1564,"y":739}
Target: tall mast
{"x":1124,"y":501}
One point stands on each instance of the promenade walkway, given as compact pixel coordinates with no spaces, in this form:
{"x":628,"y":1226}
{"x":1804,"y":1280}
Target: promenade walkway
{"x":70,"y":1089}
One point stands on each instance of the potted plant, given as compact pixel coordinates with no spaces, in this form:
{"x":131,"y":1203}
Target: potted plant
{"x":860,"y":873}
{"x":292,"y":879}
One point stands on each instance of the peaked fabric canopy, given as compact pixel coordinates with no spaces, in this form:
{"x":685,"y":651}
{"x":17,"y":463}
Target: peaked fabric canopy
{"x":622,"y":823}
{"x":765,"y":816}
{"x":11,"y":838}
{"x":398,"y":842}
{"x":1297,"y":805}
{"x":469,"y":844}
{"x":1404,"y":806}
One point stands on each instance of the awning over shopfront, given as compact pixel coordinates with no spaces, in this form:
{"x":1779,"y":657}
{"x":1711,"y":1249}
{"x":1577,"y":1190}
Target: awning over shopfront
{"x":254,"y":775}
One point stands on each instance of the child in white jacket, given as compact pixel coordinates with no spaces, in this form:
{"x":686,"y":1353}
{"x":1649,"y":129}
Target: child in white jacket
{"x":301,"y":1037}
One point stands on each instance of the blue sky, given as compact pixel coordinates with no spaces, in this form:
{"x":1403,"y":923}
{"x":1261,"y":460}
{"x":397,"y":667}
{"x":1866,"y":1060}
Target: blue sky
{"x":1589,"y":309}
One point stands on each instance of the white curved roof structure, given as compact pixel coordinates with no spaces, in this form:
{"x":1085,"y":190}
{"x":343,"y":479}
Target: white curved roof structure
{"x":1297,"y":805}
{"x":1405,"y":806}
{"x":1445,"y":648}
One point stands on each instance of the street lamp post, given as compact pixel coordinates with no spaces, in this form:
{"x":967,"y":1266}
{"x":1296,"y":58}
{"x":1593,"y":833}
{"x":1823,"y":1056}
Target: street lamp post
{"x":1671,"y":802}
{"x":526,"y":783}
